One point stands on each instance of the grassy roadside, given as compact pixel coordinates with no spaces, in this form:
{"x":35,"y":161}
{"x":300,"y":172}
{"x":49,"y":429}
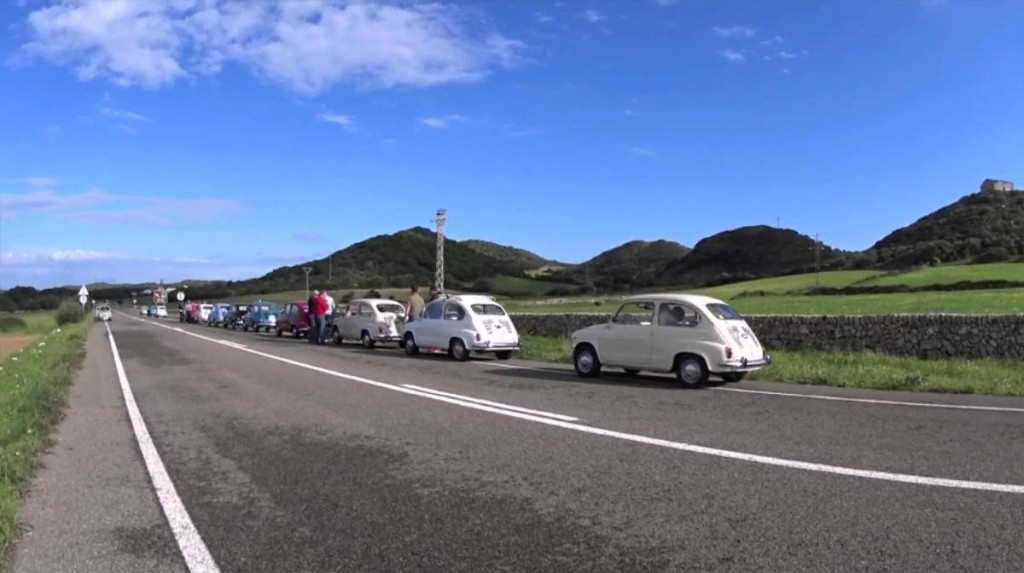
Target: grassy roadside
{"x":853,"y":370}
{"x":33,"y":388}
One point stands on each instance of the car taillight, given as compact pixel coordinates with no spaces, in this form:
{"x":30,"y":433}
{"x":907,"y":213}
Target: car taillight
{"x":728,"y":352}
{"x":478,"y":339}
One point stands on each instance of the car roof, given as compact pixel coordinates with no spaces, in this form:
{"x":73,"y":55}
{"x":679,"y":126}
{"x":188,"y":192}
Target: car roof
{"x":694,"y":299}
{"x":473,"y":298}
{"x":374,"y":300}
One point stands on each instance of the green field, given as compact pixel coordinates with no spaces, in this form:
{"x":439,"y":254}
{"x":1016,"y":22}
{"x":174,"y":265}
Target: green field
{"x":950,"y":274}
{"x":976,"y":301}
{"x":35,"y":322}
{"x":788,"y":284}
{"x":515,"y":286}
{"x":852,"y":370}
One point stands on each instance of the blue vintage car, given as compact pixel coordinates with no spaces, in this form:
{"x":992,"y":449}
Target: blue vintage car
{"x":219,"y":314}
{"x":261,"y":314}
{"x":236,"y":315}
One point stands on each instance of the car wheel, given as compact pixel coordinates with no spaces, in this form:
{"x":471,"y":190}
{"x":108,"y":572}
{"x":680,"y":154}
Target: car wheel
{"x":734,"y":376}
{"x":409,"y":345}
{"x":245,"y":327}
{"x":585,"y":361}
{"x":631,"y":371}
{"x":337,"y":337}
{"x":280,"y":332}
{"x":503,"y":354}
{"x":691,"y":371}
{"x":296,"y":333}
{"x":457,"y":350}
{"x":368,"y":342}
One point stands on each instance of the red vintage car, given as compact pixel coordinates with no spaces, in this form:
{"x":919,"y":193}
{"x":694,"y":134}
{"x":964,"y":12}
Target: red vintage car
{"x":294,"y":318}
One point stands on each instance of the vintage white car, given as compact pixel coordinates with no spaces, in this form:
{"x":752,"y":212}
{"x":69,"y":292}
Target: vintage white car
{"x":103,"y":313}
{"x":370,"y":320}
{"x":461,"y":324}
{"x":161,"y":311}
{"x":690,"y":335}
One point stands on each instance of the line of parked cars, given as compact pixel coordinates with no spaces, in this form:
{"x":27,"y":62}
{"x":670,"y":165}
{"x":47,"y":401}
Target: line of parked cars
{"x":690,"y":336}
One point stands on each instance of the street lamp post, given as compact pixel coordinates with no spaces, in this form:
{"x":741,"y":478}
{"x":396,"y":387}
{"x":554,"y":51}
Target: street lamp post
{"x":307,"y":270}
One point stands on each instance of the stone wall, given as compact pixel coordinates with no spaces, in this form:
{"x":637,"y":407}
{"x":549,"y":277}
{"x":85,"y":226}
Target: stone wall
{"x":922,"y":335}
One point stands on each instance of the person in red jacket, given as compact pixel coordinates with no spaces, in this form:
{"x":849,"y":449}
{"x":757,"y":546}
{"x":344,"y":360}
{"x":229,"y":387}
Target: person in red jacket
{"x":319,"y":317}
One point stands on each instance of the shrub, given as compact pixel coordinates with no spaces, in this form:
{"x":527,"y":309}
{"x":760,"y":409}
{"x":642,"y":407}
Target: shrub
{"x":372,"y":293}
{"x":560,"y":291}
{"x":347,"y":297}
{"x":69,"y":312}
{"x":11,"y":323}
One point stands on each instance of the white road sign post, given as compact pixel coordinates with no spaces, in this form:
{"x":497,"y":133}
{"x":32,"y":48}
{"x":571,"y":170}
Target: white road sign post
{"x":83,"y":295}
{"x":181,"y":295}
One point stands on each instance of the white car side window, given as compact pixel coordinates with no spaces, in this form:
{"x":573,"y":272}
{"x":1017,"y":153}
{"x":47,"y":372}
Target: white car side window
{"x":454,"y":311}
{"x":679,"y":315}
{"x":637,"y":313}
{"x":434,"y":310}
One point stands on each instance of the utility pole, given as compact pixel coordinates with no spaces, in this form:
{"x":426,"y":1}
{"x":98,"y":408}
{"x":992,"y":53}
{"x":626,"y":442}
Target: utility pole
{"x":307,"y":270}
{"x":817,"y":260}
{"x":442,"y":217}
{"x":330,"y":269}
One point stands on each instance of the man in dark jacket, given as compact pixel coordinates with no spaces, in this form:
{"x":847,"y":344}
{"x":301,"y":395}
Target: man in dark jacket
{"x":312,"y":334}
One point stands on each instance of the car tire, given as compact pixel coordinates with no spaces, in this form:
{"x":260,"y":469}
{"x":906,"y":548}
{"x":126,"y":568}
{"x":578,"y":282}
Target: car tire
{"x":631,"y":371}
{"x":734,"y":376}
{"x":691,"y":371}
{"x":457,"y":350}
{"x":245,"y":327}
{"x":585,"y":361}
{"x":297,"y":333}
{"x":280,"y":332}
{"x":368,"y":343}
{"x":409,"y":345}
{"x":503,"y":354}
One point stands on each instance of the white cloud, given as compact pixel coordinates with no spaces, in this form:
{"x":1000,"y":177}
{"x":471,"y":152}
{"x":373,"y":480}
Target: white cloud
{"x":731,"y":55}
{"x":115,"y":113}
{"x":592,"y":16}
{"x":78,"y":255}
{"x":786,"y":71}
{"x":306,"y":46}
{"x":442,"y":122}
{"x":733,"y":31}
{"x":98,"y":206}
{"x":642,"y":151}
{"x":665,"y":2}
{"x":629,"y":113}
{"x":33,"y":181}
{"x":347,"y":122}
{"x":543,"y":18}
{"x":786,"y":55}
{"x":772,"y":41}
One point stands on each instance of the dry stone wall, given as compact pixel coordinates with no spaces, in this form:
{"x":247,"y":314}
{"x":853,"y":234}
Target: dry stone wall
{"x":921,"y":335}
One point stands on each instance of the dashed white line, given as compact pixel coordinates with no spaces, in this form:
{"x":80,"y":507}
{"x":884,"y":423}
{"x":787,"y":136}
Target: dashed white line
{"x":872,"y":401}
{"x":798,"y":395}
{"x":640,"y":439}
{"x":197,"y":556}
{"x":495,"y":404}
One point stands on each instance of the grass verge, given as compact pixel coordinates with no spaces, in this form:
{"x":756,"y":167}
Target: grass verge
{"x":33,"y":389}
{"x":853,"y":370}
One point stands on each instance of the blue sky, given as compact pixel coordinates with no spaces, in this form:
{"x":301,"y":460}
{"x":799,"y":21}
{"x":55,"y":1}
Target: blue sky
{"x":215,"y":139}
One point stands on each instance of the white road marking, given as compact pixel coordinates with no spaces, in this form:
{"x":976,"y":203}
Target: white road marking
{"x":495,"y":404}
{"x":636,"y":438}
{"x":197,"y":556}
{"x":798,"y":395}
{"x":872,"y":401}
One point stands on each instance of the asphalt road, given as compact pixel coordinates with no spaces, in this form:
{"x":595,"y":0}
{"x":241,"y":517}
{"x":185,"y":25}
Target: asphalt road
{"x":289,"y":457}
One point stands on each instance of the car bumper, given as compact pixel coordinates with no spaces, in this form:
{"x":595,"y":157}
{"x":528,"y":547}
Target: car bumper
{"x":494,"y":347}
{"x":743,"y":365}
{"x":387,"y":338}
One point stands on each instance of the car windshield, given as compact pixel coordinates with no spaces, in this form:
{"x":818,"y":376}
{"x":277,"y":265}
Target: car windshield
{"x":724,"y":312}
{"x":265,"y":307}
{"x":396,"y":308}
{"x":486,"y":309}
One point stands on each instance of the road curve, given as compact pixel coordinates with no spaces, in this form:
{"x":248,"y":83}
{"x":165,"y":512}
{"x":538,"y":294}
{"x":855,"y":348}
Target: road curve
{"x":290,"y":457}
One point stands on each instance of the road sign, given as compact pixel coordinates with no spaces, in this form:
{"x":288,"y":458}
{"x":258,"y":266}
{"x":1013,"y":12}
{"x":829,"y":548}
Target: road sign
{"x":83,"y":291}
{"x":181,"y":295}
{"x":83,"y":298}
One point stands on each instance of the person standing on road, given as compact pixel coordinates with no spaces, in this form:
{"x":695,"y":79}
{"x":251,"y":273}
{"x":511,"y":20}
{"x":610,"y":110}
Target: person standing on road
{"x":414,"y":308}
{"x":329,"y":317}
{"x":319,"y":316}
{"x":311,"y":312}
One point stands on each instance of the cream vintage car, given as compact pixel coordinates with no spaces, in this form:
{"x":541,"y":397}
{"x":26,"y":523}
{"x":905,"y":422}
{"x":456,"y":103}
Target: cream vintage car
{"x":689,"y":335}
{"x":370,"y":320}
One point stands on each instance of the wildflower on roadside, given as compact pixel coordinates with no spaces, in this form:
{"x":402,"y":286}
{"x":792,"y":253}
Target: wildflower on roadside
{"x":14,"y":358}
{"x":42,"y":344}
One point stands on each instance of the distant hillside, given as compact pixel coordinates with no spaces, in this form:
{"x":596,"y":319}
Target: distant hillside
{"x":400,"y":259}
{"x":519,"y":258}
{"x":748,"y":253}
{"x":982,"y":227}
{"x":630,"y":265}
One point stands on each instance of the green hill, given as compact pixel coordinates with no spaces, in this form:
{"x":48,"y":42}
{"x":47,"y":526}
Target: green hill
{"x":399,"y":259}
{"x":949,"y":274}
{"x":519,"y":258}
{"x":635,"y":264}
{"x":984,"y":227}
{"x":748,"y":253}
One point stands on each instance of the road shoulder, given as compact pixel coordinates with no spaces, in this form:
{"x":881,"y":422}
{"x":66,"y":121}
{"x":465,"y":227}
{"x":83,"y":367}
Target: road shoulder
{"x":91,"y":506}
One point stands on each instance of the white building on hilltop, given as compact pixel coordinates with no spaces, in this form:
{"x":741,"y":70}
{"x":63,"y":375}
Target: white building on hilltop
{"x":996,"y":185}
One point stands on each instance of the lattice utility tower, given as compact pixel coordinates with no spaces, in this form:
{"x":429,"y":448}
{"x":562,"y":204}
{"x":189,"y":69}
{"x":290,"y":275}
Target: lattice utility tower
{"x":442,"y":216}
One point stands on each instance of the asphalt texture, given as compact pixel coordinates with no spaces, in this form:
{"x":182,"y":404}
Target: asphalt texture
{"x":282,"y":468}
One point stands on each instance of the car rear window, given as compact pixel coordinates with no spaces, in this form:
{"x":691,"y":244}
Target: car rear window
{"x":724,"y":312}
{"x":484,"y":309}
{"x":398,"y":309}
